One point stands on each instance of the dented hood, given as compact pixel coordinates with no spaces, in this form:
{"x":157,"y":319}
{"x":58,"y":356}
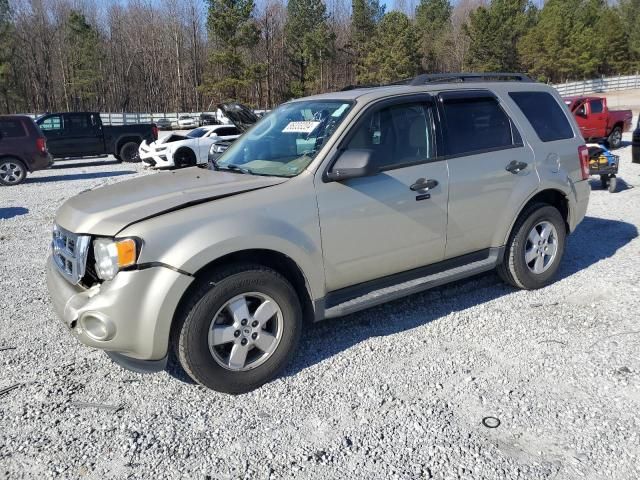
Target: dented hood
{"x":109,"y":209}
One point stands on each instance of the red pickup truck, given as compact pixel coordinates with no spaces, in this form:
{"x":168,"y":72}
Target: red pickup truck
{"x":597,"y":122}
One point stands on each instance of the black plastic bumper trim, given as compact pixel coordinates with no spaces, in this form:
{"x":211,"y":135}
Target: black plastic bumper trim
{"x":138,"y":366}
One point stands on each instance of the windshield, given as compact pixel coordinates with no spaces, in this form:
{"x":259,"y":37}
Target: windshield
{"x":197,"y":133}
{"x":287,"y":140}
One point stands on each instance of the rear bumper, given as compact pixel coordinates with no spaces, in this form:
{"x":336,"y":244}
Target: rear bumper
{"x":40,"y":162}
{"x":582,"y":190}
{"x":130,"y":315}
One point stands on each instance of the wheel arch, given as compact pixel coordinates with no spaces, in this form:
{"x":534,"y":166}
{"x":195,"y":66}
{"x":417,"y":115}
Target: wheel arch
{"x":550,"y":196}
{"x":127,"y":138}
{"x":278,"y":261}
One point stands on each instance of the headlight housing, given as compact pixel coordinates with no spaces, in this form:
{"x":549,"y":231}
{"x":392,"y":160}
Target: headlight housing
{"x":217,"y":148}
{"x":114,"y":255}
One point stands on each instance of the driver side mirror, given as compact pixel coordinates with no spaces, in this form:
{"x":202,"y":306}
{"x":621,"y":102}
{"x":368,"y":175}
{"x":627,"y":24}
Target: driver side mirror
{"x":353,"y":163}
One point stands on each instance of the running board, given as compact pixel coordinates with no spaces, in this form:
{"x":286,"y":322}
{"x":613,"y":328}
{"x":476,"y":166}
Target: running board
{"x":386,"y":294}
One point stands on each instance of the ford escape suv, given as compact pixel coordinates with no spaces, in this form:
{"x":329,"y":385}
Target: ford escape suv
{"x":329,"y":205}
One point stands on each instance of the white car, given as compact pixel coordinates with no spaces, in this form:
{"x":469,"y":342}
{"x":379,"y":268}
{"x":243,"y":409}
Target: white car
{"x":186,"y":150}
{"x":186,"y":122}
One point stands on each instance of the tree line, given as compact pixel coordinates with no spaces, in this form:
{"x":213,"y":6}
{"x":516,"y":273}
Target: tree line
{"x":188,"y":55}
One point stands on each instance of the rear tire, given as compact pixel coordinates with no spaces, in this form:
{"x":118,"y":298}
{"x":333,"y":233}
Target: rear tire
{"x":129,"y":153}
{"x":12,"y":172}
{"x":237,"y":302}
{"x":535,"y":248}
{"x":615,"y":138}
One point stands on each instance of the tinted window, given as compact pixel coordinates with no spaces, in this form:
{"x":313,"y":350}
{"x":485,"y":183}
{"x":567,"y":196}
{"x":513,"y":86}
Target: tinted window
{"x":596,"y":106}
{"x":398,"y":135}
{"x":476,"y":124}
{"x":544,"y":114}
{"x":77,"y":122}
{"x":227,"y":131}
{"x":51,"y":123}
{"x":11,"y":128}
{"x":197,"y":132}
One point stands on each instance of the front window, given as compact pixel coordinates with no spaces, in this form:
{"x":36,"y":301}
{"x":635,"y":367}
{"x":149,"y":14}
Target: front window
{"x":197,"y":133}
{"x":285,"y":142}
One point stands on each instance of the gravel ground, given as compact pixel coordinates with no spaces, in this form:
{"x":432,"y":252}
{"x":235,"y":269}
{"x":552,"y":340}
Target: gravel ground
{"x":397,"y":391}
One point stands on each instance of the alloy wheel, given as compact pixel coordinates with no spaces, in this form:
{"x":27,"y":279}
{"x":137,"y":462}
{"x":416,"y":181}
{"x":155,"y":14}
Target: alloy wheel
{"x":246,"y":331}
{"x":541,"y":247}
{"x":11,"y":173}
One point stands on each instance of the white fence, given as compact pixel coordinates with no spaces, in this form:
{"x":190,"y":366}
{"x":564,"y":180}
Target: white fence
{"x":599,"y":85}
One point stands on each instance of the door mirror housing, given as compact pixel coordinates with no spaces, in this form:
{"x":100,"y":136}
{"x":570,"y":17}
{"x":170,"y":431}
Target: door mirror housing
{"x":353,"y":163}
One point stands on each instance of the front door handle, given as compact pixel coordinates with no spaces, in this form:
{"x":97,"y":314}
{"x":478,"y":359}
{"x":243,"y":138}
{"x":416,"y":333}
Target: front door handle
{"x":515,"y":166}
{"x":423,"y":185}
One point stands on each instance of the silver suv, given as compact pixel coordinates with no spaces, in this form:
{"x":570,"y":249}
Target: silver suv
{"x":328,"y":205}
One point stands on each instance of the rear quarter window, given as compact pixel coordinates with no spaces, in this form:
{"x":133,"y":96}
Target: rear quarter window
{"x":545,"y":115}
{"x":10,"y":128}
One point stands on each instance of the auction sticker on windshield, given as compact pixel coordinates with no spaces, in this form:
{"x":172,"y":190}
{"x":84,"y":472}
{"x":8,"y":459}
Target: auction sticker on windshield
{"x":301,"y":127}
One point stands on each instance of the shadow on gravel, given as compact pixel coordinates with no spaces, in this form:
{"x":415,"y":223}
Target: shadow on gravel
{"x":79,"y":176}
{"x":621,"y":185}
{"x":10,"y":212}
{"x":595,"y":239}
{"x":95,"y":162}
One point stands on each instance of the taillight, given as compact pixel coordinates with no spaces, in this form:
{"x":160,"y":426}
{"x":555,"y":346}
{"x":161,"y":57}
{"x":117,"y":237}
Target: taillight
{"x":154,"y":131}
{"x":41,"y":145}
{"x":583,"y":154}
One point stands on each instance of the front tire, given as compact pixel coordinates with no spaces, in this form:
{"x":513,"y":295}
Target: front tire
{"x":12,"y":172}
{"x":239,"y":329}
{"x":535,"y":248}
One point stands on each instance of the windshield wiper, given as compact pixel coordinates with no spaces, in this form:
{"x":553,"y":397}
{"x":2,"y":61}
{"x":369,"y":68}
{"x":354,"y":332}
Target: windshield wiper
{"x":235,"y":168}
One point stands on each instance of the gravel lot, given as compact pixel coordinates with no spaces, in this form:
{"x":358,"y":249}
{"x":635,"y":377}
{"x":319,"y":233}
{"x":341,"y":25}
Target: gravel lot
{"x":397,"y":391}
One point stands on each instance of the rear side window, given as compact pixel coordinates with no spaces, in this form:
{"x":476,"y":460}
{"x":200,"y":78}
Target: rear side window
{"x":596,"y":106}
{"x":544,"y":114}
{"x":77,"y":122}
{"x":477,"y":124}
{"x":11,"y":129}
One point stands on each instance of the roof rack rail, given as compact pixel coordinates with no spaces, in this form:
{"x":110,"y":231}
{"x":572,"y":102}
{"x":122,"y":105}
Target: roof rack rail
{"x":426,"y":78}
{"x":465,"y":77}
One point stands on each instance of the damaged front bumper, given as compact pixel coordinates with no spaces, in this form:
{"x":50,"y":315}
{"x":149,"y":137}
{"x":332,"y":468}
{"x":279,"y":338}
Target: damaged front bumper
{"x":129,"y":317}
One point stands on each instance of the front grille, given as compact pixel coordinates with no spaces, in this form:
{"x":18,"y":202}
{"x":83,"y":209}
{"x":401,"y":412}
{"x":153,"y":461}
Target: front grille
{"x":70,"y":253}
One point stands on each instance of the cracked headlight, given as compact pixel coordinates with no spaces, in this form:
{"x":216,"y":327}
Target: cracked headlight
{"x":114,"y":255}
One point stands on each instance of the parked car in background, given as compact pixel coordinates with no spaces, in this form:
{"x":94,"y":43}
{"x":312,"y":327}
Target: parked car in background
{"x":635,"y":144}
{"x":208,"y":119}
{"x":597,"y":122}
{"x":186,"y":122}
{"x":82,"y":134}
{"x":23,"y":149}
{"x":185,"y":150}
{"x":331,"y":204}
{"x":164,"y":124}
{"x":242,"y":117}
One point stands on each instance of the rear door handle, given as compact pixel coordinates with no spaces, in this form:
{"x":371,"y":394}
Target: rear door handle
{"x":515,"y":166}
{"x":423,"y":185}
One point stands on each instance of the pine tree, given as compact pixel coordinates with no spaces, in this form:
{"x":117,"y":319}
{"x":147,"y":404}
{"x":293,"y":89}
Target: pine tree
{"x":630,"y":15}
{"x":233,"y":33}
{"x":393,"y":55}
{"x":84,"y":62}
{"x":365,"y":16}
{"x":433,"y":26}
{"x":309,"y":43}
{"x":494,"y":32}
